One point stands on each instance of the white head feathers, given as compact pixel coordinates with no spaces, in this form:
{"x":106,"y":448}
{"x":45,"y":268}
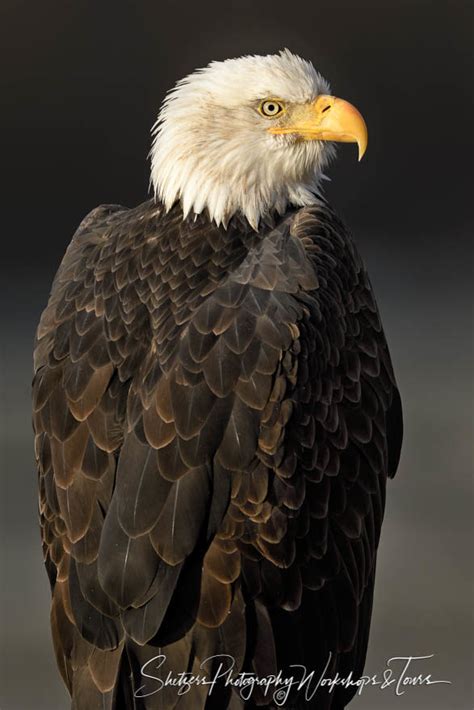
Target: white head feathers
{"x":212,"y":149}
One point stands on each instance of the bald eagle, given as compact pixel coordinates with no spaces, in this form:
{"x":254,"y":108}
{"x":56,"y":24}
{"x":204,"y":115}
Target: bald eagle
{"x":216,"y":413}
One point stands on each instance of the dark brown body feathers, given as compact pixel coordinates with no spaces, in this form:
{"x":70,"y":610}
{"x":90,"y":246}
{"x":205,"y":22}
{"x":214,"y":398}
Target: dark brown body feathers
{"x":216,"y":416}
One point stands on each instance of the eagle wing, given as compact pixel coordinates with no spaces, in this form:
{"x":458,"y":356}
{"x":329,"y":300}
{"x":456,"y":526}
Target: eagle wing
{"x":215,"y":419}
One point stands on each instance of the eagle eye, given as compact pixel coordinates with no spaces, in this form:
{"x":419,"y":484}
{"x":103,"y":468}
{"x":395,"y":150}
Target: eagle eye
{"x":270,"y":108}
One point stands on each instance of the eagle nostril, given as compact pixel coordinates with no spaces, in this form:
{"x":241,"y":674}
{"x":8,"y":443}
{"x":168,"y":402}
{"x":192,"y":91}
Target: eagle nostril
{"x":326,"y":108}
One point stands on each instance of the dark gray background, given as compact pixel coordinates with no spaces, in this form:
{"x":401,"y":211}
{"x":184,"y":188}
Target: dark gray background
{"x":81,"y":84}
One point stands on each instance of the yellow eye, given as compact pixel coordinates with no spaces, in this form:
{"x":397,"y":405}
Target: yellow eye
{"x":270,"y":108}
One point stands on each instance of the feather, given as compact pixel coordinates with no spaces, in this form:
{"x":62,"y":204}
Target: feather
{"x":191,"y":407}
{"x":143,"y":622}
{"x":67,"y":456}
{"x":221,"y":369}
{"x":126,"y":566}
{"x":95,"y":462}
{"x":104,"y":668}
{"x":102,"y":631}
{"x":240,"y":438}
{"x":215,"y":603}
{"x":225,"y":567}
{"x":83,"y":400}
{"x":76,"y":504}
{"x":180,"y":522}
{"x":141,"y":492}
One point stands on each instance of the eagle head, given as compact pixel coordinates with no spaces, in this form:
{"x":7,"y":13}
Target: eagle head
{"x":250,"y":135}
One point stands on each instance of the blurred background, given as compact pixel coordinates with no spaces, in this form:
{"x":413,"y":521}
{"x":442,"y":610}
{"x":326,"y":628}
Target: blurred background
{"x":81,"y":85}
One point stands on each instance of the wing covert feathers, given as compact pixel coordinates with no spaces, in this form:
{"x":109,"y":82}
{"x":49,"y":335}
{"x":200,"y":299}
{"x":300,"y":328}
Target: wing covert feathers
{"x":216,"y":416}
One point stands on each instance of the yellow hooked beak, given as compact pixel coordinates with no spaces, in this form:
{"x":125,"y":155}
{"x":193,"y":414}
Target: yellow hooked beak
{"x":327,"y":119}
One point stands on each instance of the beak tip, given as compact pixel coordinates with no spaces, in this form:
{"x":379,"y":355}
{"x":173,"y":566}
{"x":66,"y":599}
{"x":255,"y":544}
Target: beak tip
{"x":362,"y":148}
